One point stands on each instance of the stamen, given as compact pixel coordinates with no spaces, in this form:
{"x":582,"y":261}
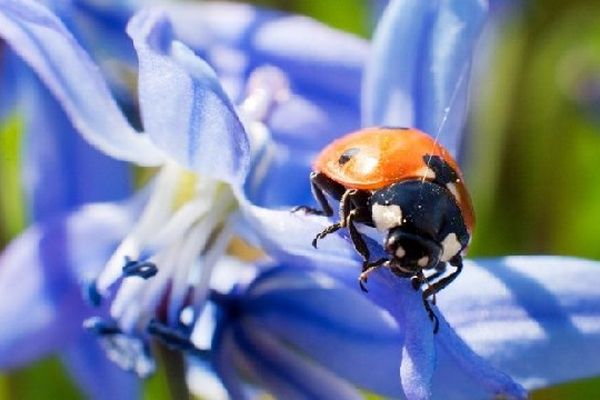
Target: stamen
{"x":174,"y":339}
{"x":155,"y":214}
{"x":143,"y":269}
{"x":101,"y":327}
{"x":128,"y":352}
{"x":266,"y":87}
{"x":91,"y":294}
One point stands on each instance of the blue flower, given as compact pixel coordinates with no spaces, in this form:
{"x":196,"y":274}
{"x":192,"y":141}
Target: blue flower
{"x":59,"y":172}
{"x":183,"y":216}
{"x":54,"y":154}
{"x":303,"y":334}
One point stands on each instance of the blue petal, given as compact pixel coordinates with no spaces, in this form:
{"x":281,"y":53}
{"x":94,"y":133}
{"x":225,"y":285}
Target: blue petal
{"x":459,"y":364}
{"x":406,"y":306}
{"x":419,"y":73}
{"x":43,"y":42}
{"x":184,"y":108}
{"x":103,"y":27}
{"x":310,"y":121}
{"x":254,"y":37}
{"x":96,"y":375}
{"x":9,"y":69}
{"x":284,"y":372}
{"x":48,"y":263}
{"x":61,"y":171}
{"x":287,"y":237}
{"x":281,"y":179}
{"x":324,"y":75}
{"x":544,"y":310}
{"x":333,"y":325}
{"x":224,"y":351}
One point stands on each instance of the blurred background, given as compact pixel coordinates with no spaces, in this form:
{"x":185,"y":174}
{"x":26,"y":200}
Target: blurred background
{"x":531,"y":154}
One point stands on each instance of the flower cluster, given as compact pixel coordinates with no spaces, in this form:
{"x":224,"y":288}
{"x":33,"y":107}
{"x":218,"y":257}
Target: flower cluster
{"x":232,"y":114}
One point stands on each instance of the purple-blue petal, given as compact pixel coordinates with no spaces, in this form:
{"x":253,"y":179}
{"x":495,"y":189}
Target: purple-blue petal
{"x":438,"y":364}
{"x":184,"y":108}
{"x":418,"y":352}
{"x":330,"y":323}
{"x":9,"y":67}
{"x":285,"y":373}
{"x":48,"y":263}
{"x":324,"y":75}
{"x":458,"y":356}
{"x":419,"y":72}
{"x":287,"y":237}
{"x":224,"y":351}
{"x":255,"y":37}
{"x":281,"y":179}
{"x":40,"y":38}
{"x":544,"y":310}
{"x":97,"y":376}
{"x":61,"y":170}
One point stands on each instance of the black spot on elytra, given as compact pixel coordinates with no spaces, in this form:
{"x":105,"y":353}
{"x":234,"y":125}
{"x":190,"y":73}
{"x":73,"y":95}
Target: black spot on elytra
{"x":347,"y":155}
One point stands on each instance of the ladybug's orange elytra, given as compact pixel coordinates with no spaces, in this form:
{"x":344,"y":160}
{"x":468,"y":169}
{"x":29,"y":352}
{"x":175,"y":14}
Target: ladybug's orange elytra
{"x":373,"y":158}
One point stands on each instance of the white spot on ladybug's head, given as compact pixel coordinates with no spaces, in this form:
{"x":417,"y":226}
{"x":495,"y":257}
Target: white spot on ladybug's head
{"x":452,"y":188}
{"x":400,"y":252}
{"x":450,"y":247}
{"x":386,"y":217}
{"x":423,"y":261}
{"x":426,"y":173}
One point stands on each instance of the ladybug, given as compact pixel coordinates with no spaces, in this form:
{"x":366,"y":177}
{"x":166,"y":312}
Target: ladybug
{"x":407,"y":186}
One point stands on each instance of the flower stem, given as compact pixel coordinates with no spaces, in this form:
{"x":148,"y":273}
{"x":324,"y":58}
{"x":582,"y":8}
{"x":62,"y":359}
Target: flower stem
{"x":173,"y":364}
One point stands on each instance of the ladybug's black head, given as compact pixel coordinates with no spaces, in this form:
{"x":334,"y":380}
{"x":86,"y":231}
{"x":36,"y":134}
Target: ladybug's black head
{"x":411,"y":252}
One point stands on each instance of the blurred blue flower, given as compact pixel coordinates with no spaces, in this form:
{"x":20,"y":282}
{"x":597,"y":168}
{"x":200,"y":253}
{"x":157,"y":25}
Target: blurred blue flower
{"x":54,"y":154}
{"x":183,"y":216}
{"x":59,"y":172}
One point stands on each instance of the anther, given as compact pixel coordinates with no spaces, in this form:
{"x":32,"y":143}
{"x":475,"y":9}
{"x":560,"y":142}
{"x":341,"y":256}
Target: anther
{"x":92,"y":294}
{"x":101,"y":327}
{"x":143,"y":269}
{"x":173,"y":338}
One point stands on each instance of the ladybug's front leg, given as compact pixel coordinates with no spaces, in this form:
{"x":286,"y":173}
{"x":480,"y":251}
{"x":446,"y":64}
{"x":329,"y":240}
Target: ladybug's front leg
{"x":361,"y":247}
{"x":319,"y":185}
{"x":345,"y":208}
{"x":442,"y":283}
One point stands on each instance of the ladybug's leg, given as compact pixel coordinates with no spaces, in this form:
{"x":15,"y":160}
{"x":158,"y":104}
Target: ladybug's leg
{"x":321,"y":184}
{"x":442,"y":283}
{"x":351,"y":200}
{"x":431,"y":314}
{"x":364,"y":276}
{"x":357,"y":239}
{"x":416,"y":282}
{"x":345,"y":206}
{"x":439,"y":271}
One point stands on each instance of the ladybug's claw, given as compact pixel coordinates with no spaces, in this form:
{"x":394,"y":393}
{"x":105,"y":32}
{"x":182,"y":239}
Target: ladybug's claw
{"x":315,"y":240}
{"x":362,"y":280}
{"x":432,"y":316}
{"x":436,"y":322}
{"x":307,"y":210}
{"x":415,"y":282}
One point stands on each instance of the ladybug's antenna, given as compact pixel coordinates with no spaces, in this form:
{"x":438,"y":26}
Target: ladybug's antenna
{"x":447,"y":110}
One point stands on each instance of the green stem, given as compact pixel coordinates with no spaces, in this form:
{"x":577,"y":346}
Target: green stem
{"x":174,"y":366}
